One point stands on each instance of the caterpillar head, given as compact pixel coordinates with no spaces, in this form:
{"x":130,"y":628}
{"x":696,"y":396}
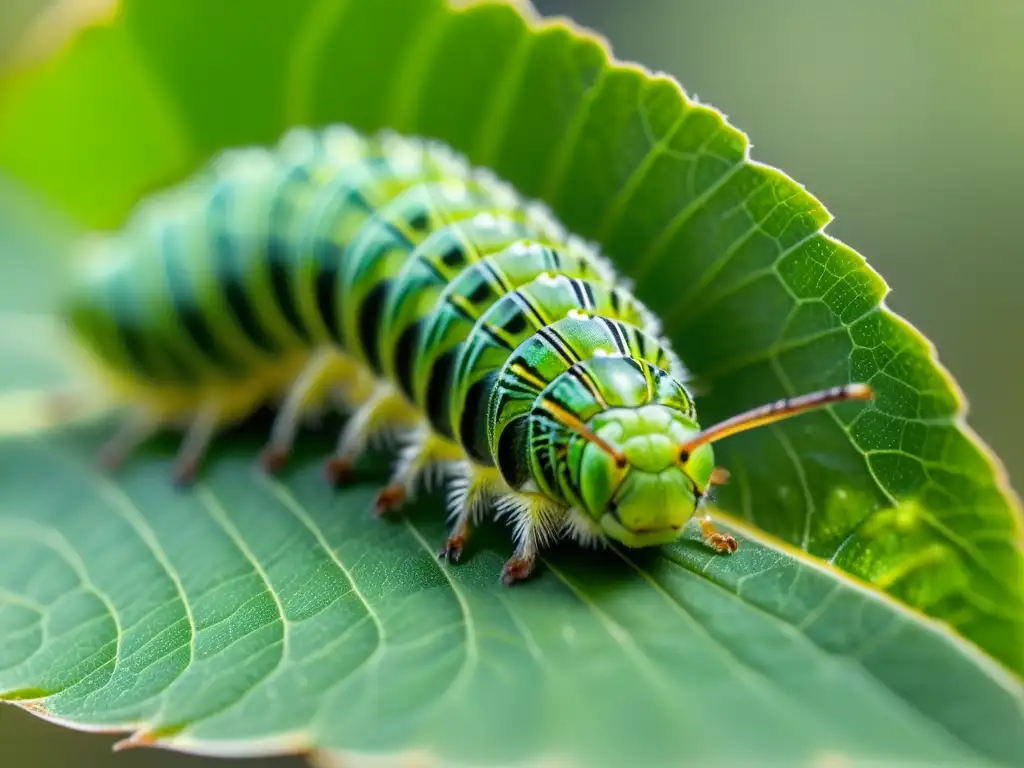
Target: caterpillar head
{"x":643,"y":471}
{"x":635,"y":479}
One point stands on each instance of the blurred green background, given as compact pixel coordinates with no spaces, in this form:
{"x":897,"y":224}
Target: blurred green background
{"x":904,"y":118}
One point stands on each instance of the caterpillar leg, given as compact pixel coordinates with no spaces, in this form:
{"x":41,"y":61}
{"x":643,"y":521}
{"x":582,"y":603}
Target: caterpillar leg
{"x":383,"y":411}
{"x":423,"y":456}
{"x":584,"y":530}
{"x":469,"y":494}
{"x":720,"y":542}
{"x":193,"y":447}
{"x":537,"y":521}
{"x":143,"y":425}
{"x":138,"y":428}
{"x":312,"y":386}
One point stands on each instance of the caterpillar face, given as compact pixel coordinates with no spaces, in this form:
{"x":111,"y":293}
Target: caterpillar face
{"x":641,"y":492}
{"x":430,"y":301}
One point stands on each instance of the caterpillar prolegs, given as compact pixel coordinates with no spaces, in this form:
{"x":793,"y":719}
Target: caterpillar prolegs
{"x":386,"y":276}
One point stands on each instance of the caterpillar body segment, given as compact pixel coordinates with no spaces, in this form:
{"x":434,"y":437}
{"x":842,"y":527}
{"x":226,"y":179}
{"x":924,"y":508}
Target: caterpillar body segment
{"x":385,"y":276}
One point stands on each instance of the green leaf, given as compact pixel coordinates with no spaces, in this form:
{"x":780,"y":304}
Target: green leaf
{"x":250,"y":616}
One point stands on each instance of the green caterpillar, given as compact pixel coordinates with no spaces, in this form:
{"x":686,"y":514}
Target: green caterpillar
{"x":386,"y":276}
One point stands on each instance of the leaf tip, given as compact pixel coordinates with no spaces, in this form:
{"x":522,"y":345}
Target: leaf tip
{"x":145,"y":737}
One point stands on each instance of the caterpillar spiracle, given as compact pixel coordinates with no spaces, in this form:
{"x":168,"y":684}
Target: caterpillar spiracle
{"x":386,"y":276}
